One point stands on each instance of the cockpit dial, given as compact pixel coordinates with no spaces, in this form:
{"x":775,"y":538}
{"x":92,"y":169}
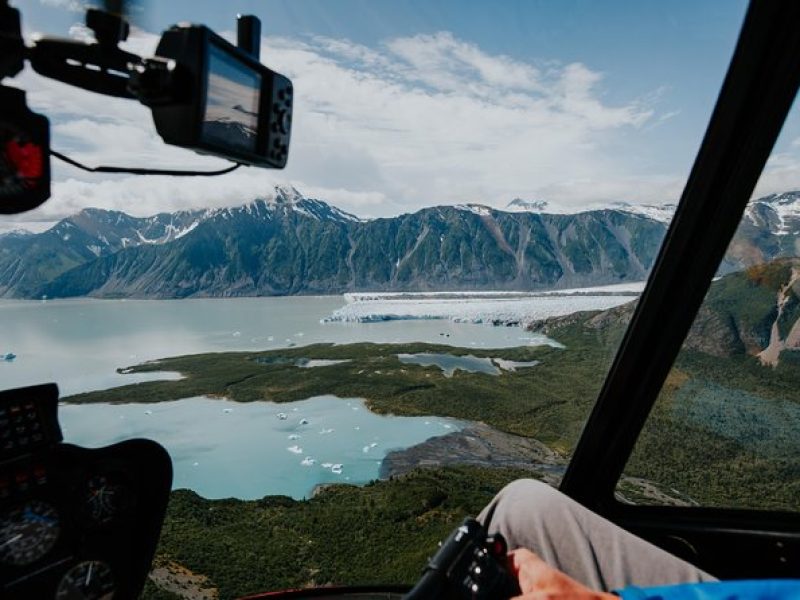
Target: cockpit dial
{"x":89,"y":580}
{"x":28,"y":532}
{"x":105,"y":499}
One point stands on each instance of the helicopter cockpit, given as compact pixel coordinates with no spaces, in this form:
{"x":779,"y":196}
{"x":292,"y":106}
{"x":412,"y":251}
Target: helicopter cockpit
{"x":701,"y":393}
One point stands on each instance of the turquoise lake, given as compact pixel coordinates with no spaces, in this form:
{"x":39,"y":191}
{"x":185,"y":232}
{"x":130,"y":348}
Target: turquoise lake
{"x":220,"y":448}
{"x":246,"y":450}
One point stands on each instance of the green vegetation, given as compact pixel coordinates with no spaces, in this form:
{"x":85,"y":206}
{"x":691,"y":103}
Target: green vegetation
{"x":380,"y":533}
{"x":723,"y":433}
{"x":525,"y":402}
{"x":724,"y":429}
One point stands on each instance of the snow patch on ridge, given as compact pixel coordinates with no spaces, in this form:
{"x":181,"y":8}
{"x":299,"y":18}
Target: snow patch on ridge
{"x":478,"y":209}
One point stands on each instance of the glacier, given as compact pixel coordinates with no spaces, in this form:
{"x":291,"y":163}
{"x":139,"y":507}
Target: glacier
{"x":494,"y":308}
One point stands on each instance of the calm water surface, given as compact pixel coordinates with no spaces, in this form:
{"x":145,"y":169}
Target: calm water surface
{"x":247,"y":450}
{"x":220,"y":448}
{"x":80,"y":343}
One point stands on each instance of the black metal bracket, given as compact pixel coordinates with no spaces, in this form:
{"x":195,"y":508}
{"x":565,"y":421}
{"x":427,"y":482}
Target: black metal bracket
{"x":98,"y":67}
{"x":248,"y":34}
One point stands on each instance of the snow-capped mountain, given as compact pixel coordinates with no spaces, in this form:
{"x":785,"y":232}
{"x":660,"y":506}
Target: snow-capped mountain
{"x":285,"y":243}
{"x":780,"y":213}
{"x":662,"y":212}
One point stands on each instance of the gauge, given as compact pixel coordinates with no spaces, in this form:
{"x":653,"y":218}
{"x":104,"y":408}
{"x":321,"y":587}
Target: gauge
{"x":104,"y":499}
{"x":89,"y":580}
{"x":28,"y":532}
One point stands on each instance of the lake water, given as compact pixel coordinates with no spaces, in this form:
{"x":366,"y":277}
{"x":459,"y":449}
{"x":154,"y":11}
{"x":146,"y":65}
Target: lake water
{"x":80,"y":343}
{"x":245,"y":450}
{"x":450,"y":363}
{"x":222,"y":449}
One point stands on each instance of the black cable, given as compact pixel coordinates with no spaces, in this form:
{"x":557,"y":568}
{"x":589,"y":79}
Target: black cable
{"x":138,"y":171}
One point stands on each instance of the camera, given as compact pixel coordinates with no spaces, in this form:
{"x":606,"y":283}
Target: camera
{"x":469,"y":565}
{"x":216,"y":98}
{"x":206,"y":94}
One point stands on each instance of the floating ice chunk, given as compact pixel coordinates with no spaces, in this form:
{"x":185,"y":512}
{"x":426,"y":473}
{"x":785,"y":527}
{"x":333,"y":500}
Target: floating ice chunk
{"x":294,"y":436}
{"x":324,"y":431}
{"x":373,"y":444}
{"x":308,"y":461}
{"x":295,"y":449}
{"x":304,"y":421}
{"x":337,"y":468}
{"x":237,"y":333}
{"x":282,"y":416}
{"x":365,"y":449}
{"x":326,"y":465}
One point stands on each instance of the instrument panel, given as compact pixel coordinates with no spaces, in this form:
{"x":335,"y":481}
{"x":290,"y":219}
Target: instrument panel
{"x":75,"y":523}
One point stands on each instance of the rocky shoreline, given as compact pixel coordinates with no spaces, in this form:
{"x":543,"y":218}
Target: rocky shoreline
{"x":478,"y":445}
{"x":482,"y":446}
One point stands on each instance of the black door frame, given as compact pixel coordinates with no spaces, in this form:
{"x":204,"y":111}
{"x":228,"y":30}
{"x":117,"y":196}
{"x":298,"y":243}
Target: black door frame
{"x":755,"y":98}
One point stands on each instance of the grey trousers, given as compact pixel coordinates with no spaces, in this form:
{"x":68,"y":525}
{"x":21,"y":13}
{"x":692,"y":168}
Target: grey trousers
{"x":531,"y":514}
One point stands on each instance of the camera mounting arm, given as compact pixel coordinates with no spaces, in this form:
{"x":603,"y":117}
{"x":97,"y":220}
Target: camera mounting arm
{"x":98,"y":67}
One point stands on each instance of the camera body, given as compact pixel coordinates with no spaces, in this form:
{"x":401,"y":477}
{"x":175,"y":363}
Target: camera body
{"x":470,"y":565}
{"x":219,"y":99}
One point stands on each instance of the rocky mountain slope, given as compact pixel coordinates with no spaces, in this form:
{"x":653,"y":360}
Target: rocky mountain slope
{"x":288,"y":244}
{"x":755,"y":312}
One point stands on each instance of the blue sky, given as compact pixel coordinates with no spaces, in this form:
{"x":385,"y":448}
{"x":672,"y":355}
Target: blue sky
{"x":407,"y":104}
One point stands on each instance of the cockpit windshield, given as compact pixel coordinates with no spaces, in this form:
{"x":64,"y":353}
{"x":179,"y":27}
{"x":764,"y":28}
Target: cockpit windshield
{"x":347,"y":356}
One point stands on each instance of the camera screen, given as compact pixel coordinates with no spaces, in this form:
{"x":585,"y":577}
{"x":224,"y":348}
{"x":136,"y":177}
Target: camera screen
{"x":232,"y":102}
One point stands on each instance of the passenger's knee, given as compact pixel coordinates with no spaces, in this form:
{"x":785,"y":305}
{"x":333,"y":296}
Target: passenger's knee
{"x":529,"y":491}
{"x":522,"y":511}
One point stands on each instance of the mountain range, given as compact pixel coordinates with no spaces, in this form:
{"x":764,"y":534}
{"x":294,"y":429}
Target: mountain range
{"x":289,"y":244}
{"x":753,"y":312}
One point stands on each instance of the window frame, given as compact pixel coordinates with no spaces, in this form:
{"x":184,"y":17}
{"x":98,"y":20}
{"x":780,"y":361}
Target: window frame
{"x":756,"y":96}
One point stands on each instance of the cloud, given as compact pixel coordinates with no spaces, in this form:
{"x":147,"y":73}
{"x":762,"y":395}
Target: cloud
{"x":781,"y":174}
{"x":70,"y":5}
{"x":414,"y":121}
